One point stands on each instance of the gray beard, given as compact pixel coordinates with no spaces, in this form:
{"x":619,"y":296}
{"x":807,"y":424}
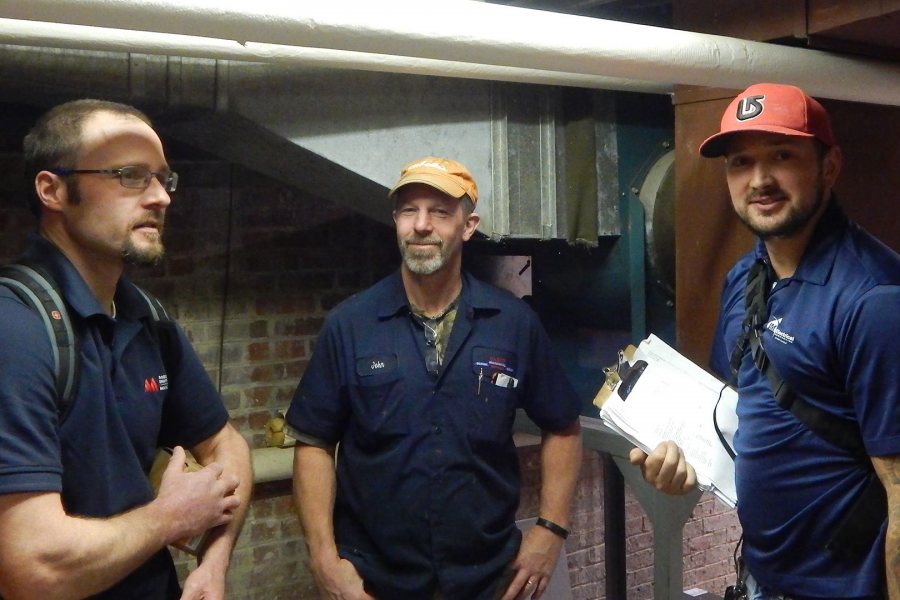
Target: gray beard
{"x":422,"y":266}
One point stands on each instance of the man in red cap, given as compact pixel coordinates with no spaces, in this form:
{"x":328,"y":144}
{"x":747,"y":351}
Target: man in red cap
{"x":809,"y":331}
{"x":418,"y":379}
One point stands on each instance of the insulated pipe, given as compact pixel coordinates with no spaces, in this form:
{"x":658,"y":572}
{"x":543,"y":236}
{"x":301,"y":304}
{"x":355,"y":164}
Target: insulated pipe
{"x":80,"y":37}
{"x":483,"y":33}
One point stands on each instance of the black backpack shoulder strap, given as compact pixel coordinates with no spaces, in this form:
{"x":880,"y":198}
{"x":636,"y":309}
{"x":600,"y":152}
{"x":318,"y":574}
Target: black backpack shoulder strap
{"x":862,"y":522}
{"x":158,"y":312}
{"x":840,"y":432}
{"x":162,"y":327}
{"x":38,"y":290}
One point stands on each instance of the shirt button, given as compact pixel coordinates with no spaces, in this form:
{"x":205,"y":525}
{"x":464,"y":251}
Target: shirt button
{"x":436,"y":428}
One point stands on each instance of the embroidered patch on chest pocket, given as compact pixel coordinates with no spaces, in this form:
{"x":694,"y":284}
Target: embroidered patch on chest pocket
{"x":493,"y":360}
{"x":376,"y":364}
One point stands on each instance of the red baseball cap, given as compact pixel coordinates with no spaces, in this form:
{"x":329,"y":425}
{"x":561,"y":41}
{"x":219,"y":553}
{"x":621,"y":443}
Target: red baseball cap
{"x":771,"y":107}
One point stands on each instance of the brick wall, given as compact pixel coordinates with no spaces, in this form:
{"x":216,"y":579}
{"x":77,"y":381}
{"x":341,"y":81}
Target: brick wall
{"x":252,"y":269}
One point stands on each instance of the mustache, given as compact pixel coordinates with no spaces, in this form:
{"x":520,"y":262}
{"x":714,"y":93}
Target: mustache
{"x":768,"y":192}
{"x":153,"y":219}
{"x":433,"y":241}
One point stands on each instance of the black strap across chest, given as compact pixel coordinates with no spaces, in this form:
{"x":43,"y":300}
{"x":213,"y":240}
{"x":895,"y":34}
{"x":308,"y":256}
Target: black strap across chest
{"x":861,"y":524}
{"x":840,"y":432}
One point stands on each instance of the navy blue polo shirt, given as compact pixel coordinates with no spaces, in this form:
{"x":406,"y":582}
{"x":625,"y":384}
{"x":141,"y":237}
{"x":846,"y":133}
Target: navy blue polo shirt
{"x":427,"y":472}
{"x":127,"y":405}
{"x":833,"y":333}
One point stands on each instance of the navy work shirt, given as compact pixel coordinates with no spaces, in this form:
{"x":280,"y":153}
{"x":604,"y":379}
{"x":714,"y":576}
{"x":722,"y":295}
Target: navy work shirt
{"x":427,"y":472}
{"x":128,"y":404}
{"x":833,"y":334}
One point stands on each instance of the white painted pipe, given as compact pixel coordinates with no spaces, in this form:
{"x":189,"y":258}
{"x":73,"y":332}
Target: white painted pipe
{"x":80,"y":37}
{"x":483,"y":33}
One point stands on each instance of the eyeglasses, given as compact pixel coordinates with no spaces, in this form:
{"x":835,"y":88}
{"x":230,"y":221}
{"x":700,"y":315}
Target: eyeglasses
{"x":132,"y":177}
{"x":432,"y":358}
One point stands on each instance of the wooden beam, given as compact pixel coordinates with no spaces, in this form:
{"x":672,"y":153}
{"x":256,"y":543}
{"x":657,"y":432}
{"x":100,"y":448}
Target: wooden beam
{"x":762,"y":20}
{"x":825,"y":15}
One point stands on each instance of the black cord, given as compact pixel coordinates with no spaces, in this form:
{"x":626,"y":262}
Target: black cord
{"x":719,"y":433}
{"x":227,"y":277}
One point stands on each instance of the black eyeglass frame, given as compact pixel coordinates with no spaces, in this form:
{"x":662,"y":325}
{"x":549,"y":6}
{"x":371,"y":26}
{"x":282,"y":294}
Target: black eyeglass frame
{"x":169,"y":180}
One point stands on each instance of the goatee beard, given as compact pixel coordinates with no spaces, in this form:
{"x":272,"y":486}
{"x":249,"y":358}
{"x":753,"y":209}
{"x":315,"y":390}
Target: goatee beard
{"x":145,"y":257}
{"x":422,"y":265}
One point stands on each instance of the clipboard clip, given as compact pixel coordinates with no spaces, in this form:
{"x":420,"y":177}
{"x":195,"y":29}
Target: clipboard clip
{"x":613,"y":373}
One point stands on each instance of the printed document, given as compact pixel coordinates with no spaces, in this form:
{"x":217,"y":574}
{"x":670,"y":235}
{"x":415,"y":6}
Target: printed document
{"x":674,"y":399}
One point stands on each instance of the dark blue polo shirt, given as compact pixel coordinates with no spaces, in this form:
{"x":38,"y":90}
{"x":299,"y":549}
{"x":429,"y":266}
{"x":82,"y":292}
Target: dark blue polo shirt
{"x":833,"y":333}
{"x":128,"y":404}
{"x":427,"y":472}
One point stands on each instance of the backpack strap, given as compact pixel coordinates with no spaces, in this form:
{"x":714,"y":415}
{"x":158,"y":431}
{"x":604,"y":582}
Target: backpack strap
{"x":37,"y":289}
{"x":840,"y":432}
{"x":862,"y":523}
{"x":158,"y":312}
{"x":161,"y":326}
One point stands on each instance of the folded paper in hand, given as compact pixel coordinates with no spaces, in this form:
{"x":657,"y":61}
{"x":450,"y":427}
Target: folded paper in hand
{"x":660,"y":396}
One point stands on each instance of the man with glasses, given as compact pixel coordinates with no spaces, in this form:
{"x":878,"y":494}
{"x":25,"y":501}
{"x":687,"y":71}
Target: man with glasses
{"x":78,"y":516}
{"x":412,"y":388}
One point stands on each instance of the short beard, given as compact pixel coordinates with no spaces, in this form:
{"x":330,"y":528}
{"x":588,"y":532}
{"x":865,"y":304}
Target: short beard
{"x":145,"y":257}
{"x":148,"y":255}
{"x":795,"y":220}
{"x":131,"y":254}
{"x":422,"y":266}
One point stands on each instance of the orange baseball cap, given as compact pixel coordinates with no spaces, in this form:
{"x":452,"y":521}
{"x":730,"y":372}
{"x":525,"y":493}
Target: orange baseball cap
{"x":771,"y":107}
{"x":444,"y":174}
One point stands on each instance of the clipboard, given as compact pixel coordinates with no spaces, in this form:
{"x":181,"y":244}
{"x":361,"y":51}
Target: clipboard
{"x":653,"y":394}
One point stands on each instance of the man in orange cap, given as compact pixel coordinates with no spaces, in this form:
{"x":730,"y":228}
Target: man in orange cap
{"x":418,"y":379}
{"x":810,"y":329}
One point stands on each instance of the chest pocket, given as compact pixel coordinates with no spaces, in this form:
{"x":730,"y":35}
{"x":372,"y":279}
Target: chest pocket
{"x":380,"y":415}
{"x":497,"y":386}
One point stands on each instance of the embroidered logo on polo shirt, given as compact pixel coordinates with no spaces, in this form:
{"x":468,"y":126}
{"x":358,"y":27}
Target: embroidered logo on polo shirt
{"x":156,"y":384}
{"x":777,"y":333}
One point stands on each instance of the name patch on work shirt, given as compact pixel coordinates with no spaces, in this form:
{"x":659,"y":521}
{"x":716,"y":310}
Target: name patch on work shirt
{"x":375,"y":365}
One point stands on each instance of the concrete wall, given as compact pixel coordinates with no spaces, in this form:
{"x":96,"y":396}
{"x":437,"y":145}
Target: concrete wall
{"x":252,"y":269}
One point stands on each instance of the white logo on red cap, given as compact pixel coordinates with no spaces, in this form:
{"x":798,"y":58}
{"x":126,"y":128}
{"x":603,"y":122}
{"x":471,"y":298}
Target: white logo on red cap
{"x":750,"y":107}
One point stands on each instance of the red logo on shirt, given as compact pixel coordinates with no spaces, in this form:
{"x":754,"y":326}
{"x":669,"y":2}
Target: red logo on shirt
{"x":150,"y":385}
